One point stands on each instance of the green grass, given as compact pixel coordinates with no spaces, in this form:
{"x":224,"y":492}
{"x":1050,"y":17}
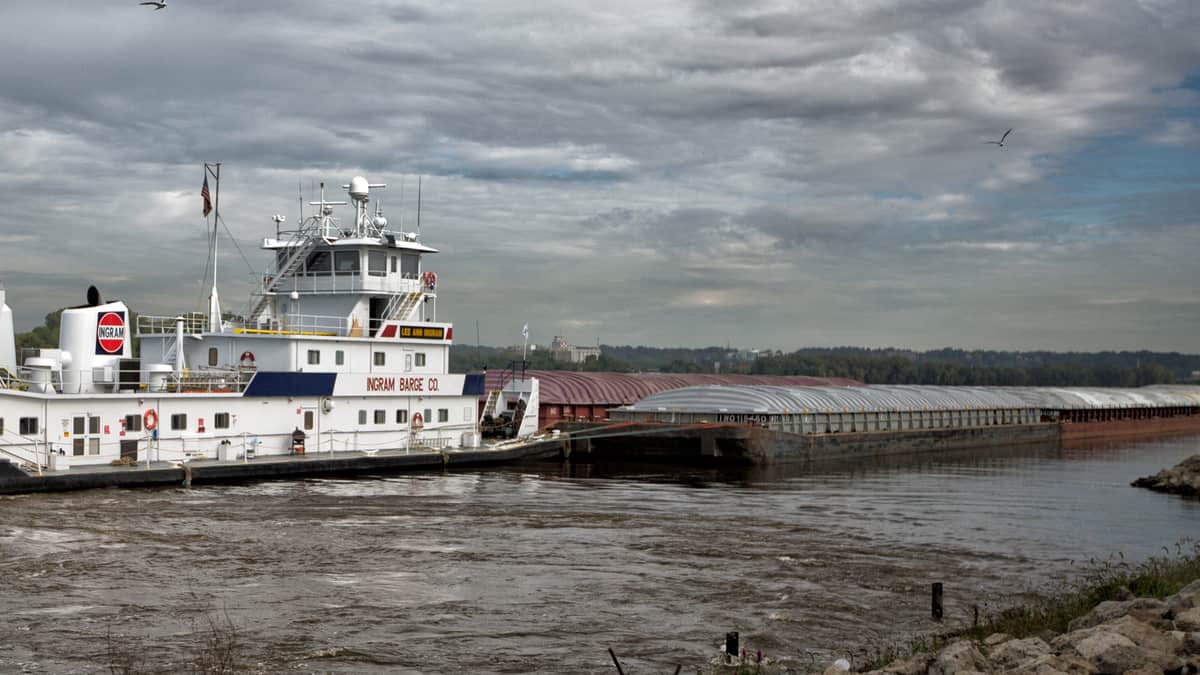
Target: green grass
{"x":1051,"y":612}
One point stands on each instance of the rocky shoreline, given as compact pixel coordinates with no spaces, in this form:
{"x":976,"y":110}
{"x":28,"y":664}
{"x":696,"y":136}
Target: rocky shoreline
{"x":1182,"y":479}
{"x":1138,"y":636}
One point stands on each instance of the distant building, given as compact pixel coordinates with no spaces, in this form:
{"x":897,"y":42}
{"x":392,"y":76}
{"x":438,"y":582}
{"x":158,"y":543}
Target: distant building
{"x":561,"y":350}
{"x":743,"y":355}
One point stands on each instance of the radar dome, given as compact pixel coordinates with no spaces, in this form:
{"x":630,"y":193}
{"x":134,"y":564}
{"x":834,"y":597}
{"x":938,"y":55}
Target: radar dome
{"x":380,"y":222}
{"x":359,"y":188}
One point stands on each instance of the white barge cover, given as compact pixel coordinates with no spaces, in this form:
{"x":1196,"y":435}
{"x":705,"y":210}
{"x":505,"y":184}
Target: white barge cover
{"x":789,"y":400}
{"x":889,"y":398}
{"x":1091,"y":398}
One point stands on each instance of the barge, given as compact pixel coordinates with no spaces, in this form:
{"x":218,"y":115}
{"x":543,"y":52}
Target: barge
{"x":772,"y":424}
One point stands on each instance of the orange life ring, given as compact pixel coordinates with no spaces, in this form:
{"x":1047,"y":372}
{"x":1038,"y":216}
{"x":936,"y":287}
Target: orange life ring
{"x":247,"y":359}
{"x":150,"y":419}
{"x":430,"y":280}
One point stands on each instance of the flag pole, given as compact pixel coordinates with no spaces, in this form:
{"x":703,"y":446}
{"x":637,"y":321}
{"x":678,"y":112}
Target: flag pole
{"x":214,"y":302}
{"x":525,"y":349}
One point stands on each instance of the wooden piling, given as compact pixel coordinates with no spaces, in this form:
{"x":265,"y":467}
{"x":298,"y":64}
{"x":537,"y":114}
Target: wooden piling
{"x":731,"y":643}
{"x":937,"y":601}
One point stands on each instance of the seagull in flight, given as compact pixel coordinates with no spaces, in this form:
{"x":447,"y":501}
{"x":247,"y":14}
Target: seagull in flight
{"x":999,"y":142}
{"x":157,"y":4}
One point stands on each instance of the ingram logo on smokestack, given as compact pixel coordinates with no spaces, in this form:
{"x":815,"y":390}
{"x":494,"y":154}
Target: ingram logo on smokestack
{"x":110,"y":333}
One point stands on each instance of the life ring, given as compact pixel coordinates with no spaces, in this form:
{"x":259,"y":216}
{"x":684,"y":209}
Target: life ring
{"x":150,"y":419}
{"x":418,"y":422}
{"x":247,"y":359}
{"x":430,"y":280}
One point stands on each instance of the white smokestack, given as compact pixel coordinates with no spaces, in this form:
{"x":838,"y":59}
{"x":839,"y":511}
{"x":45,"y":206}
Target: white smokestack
{"x":8,"y":340}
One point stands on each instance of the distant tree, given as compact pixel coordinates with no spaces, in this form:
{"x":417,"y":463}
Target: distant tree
{"x":42,"y":337}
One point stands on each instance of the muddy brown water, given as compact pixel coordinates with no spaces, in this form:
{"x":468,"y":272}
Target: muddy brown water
{"x":544,"y":568}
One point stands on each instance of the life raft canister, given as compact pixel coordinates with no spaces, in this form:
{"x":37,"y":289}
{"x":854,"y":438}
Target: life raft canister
{"x":150,"y":419}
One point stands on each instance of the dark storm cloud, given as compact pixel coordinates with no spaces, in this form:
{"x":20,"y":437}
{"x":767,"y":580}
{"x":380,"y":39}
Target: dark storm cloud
{"x":635,"y":170}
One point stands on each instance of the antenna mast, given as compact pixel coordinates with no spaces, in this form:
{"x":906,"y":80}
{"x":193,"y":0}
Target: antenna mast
{"x":418,"y":207}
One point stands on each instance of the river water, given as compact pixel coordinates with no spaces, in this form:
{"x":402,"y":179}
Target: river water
{"x":544,"y":568}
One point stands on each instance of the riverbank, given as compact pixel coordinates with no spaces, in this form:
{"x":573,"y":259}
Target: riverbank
{"x":1118,"y":618}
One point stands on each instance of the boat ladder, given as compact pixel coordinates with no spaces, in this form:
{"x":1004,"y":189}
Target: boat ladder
{"x":305,"y":242}
{"x":493,"y":401}
{"x":401,"y":305}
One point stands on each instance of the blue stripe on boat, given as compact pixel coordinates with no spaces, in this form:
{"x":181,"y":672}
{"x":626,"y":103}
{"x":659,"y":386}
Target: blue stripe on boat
{"x":473,"y":385}
{"x":291,"y":384}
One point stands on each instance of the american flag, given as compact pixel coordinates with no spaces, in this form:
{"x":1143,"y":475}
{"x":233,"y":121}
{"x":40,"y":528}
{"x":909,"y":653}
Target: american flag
{"x":207,"y":199}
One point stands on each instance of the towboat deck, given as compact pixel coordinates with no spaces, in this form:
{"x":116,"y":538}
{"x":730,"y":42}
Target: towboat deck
{"x":14,"y":480}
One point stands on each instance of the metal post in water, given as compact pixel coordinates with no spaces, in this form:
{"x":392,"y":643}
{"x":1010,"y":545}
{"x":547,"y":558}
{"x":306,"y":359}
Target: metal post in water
{"x":731,"y":643}
{"x":615,"y":661}
{"x":937,"y":601}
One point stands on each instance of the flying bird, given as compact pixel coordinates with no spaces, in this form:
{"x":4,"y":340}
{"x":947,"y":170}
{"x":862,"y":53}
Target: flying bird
{"x":999,"y":142}
{"x":157,"y":4}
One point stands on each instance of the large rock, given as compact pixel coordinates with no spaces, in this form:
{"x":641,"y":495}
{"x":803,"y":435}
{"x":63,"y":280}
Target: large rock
{"x":915,"y":665}
{"x":1186,"y":598}
{"x":1183,"y":478}
{"x":1014,"y":653}
{"x":1114,"y":653}
{"x":1144,"y":635}
{"x":1145,"y":609}
{"x":1068,"y":663}
{"x":1188,"y":620}
{"x":959,"y":657}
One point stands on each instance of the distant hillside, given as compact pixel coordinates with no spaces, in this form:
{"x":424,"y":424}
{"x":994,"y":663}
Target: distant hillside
{"x":878,"y":366}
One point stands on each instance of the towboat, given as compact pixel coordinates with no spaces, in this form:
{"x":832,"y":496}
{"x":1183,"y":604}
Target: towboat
{"x":340,"y":351}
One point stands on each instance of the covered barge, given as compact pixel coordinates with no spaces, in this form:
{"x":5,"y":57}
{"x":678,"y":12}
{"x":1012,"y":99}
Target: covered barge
{"x":771,"y":424}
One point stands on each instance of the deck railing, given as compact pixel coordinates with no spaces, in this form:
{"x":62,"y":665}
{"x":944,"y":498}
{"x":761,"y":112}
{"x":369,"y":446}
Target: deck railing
{"x":79,"y":381}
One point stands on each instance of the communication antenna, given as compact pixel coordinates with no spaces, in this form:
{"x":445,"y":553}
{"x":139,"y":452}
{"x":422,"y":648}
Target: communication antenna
{"x":300,"y":193}
{"x":401,"y":225}
{"x":418,"y":206}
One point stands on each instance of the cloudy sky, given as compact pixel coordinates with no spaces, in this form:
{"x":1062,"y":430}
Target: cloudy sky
{"x":759,"y":173}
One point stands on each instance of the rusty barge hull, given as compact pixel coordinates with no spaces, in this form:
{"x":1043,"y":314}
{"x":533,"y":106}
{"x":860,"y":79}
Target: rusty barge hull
{"x":1131,"y":427}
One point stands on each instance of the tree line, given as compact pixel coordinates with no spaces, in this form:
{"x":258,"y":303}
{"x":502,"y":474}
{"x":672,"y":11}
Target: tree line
{"x":872,"y":366}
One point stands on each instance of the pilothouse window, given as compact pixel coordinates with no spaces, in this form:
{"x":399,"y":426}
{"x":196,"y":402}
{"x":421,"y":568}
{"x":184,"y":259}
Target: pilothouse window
{"x":345,"y":262}
{"x":377,"y":263}
{"x":410,"y":265}
{"x":319,"y":262}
